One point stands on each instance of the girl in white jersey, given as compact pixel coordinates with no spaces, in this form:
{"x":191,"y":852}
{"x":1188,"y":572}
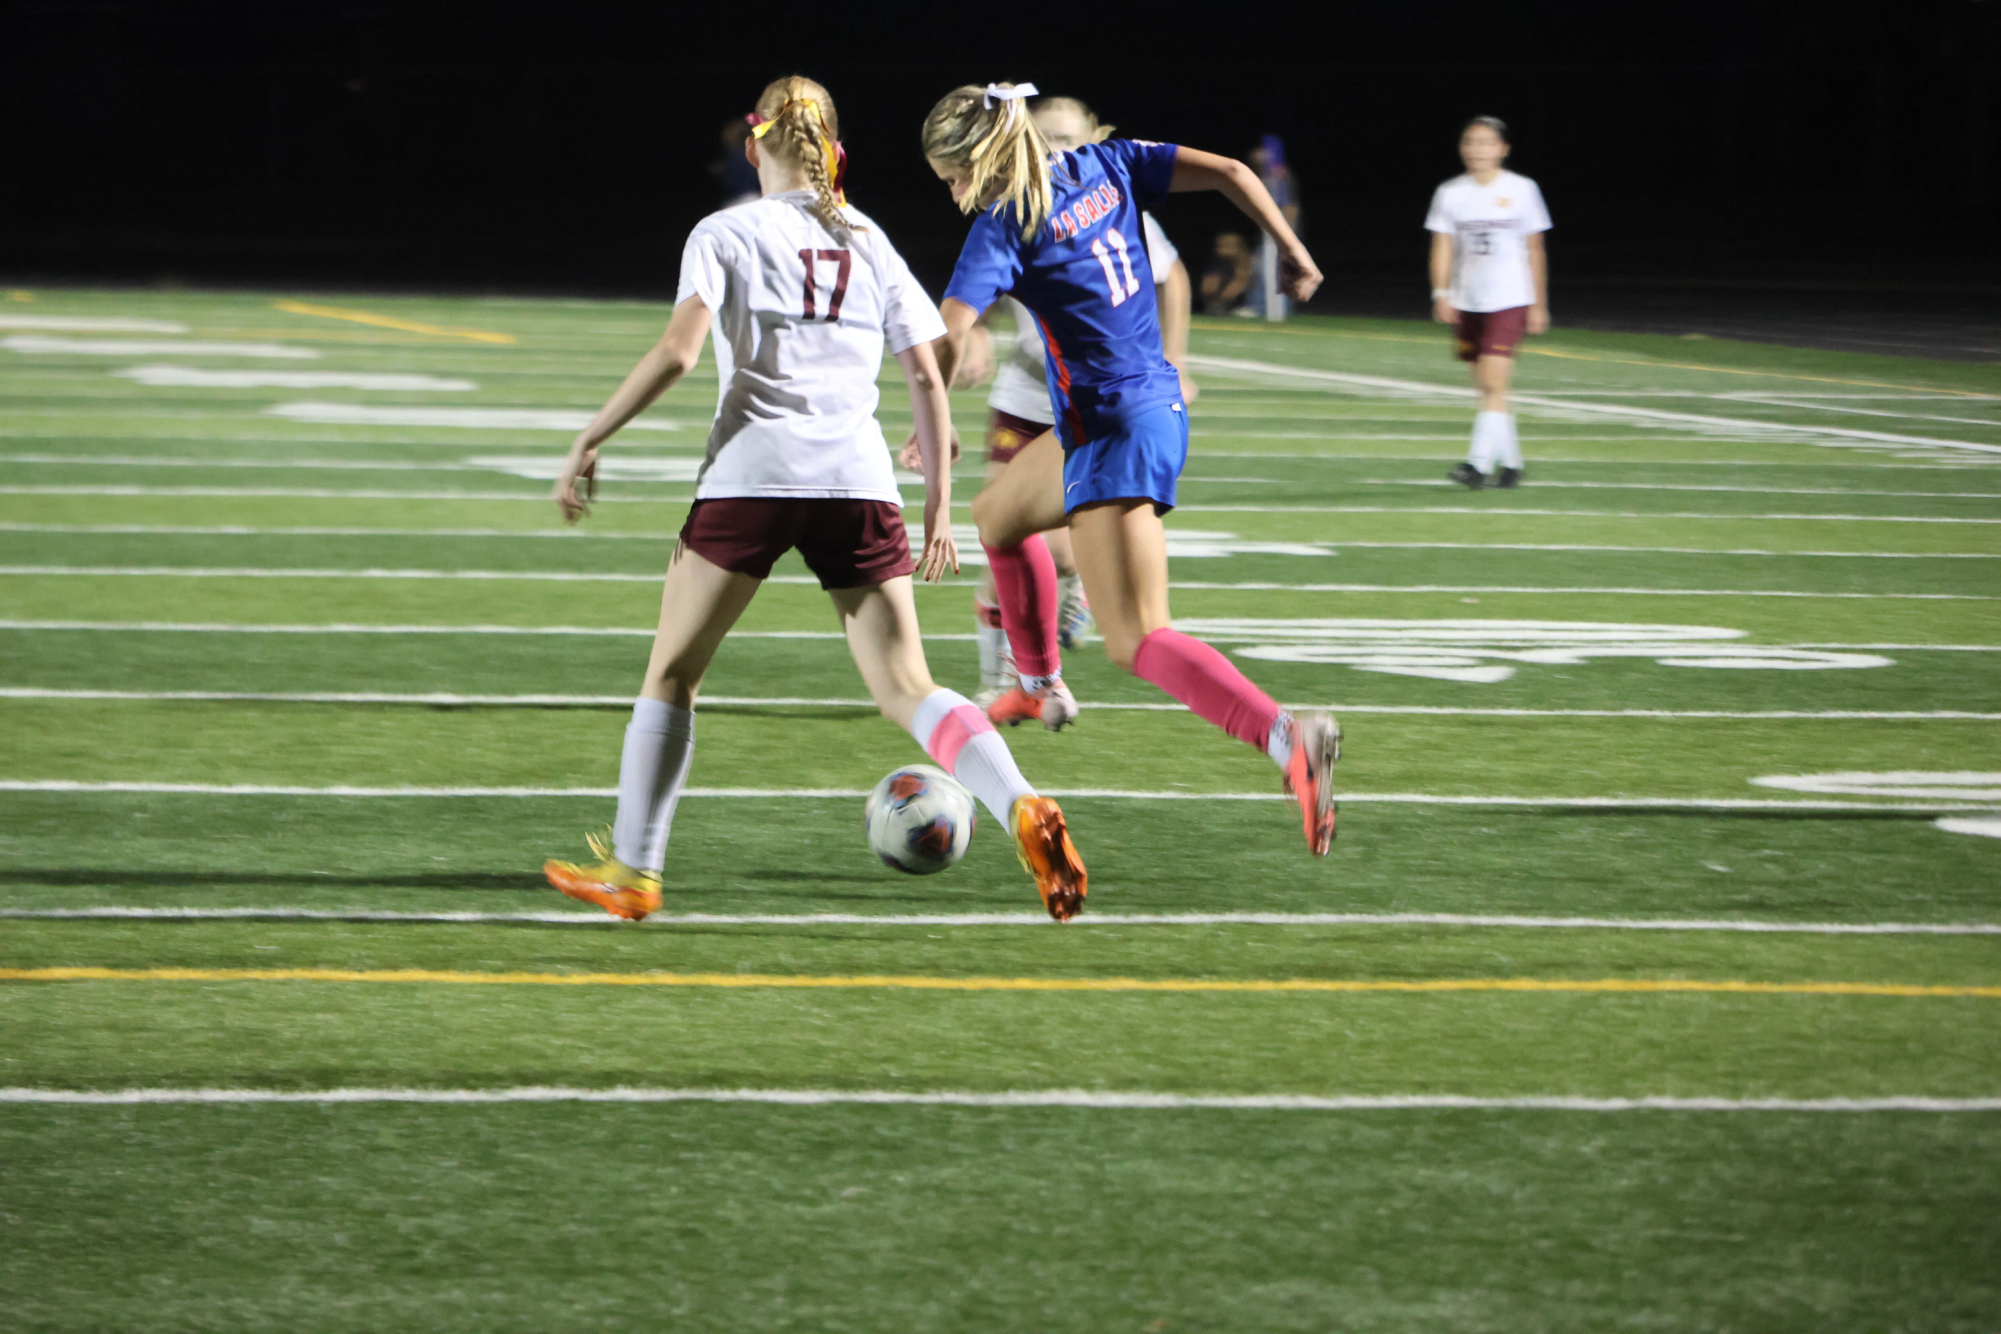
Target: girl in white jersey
{"x":1490,"y":280}
{"x":804,"y":294}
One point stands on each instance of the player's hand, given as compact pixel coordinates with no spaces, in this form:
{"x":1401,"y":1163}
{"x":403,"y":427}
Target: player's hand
{"x":911,"y":458}
{"x":940,"y":554}
{"x":976,"y":362}
{"x":1443,"y":313}
{"x":1538,"y":318}
{"x":580,"y":466}
{"x":1299,"y":275}
{"x":1190,"y":391}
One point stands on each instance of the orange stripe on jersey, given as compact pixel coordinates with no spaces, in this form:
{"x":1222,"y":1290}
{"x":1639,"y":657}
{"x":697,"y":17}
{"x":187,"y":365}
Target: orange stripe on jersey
{"x":1076,"y":423}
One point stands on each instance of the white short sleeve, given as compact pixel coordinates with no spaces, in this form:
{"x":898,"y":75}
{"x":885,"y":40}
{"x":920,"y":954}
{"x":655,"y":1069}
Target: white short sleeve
{"x":908,"y":315}
{"x":1160,"y":251}
{"x":1535,"y":215}
{"x":704,"y":270}
{"x":1440,"y":217}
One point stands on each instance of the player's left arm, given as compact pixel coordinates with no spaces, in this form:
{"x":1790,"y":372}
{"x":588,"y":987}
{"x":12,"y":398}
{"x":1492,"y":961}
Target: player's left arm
{"x":1539,"y":268}
{"x":1176,"y":297}
{"x":672,"y":357}
{"x":1235,"y":181}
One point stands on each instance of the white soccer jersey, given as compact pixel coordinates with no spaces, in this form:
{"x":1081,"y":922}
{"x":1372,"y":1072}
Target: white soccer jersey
{"x":1491,"y":224}
{"x":1021,"y":387}
{"x":802,"y":317}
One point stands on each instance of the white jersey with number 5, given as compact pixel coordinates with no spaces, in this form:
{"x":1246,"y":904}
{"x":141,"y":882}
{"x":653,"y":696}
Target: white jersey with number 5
{"x":1491,"y":224}
{"x":802,"y":317}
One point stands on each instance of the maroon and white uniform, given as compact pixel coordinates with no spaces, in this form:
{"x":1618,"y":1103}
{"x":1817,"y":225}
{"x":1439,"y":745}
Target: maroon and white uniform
{"x":803,"y":316}
{"x":1492,"y":284}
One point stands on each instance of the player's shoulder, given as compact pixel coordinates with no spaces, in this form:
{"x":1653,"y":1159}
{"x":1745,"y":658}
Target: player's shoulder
{"x":1520,"y":182}
{"x":1454,"y":184}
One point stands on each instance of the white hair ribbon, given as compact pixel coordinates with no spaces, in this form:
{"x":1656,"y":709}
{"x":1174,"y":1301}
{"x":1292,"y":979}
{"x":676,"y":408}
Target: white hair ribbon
{"x":1012,"y":96}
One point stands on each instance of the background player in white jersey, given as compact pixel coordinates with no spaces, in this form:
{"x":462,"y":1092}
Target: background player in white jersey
{"x":804,"y":295}
{"x":1019,"y":410}
{"x":1490,"y":280}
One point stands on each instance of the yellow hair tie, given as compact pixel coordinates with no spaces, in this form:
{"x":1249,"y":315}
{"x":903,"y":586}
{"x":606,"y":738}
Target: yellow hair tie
{"x":829,"y":150}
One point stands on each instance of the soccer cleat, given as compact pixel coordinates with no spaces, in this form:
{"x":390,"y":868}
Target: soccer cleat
{"x":608,"y":883}
{"x":1055,"y":707}
{"x":1073,"y":614}
{"x":1043,"y":843}
{"x":1509,"y":477}
{"x":1467,"y":476}
{"x":1316,"y":745}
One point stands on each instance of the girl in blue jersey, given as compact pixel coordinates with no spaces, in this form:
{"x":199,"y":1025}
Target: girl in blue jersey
{"x":1061,"y":233}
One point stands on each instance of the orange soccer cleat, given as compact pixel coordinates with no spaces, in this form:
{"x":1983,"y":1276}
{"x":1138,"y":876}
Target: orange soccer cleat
{"x":1054,"y":707}
{"x":1316,"y":745}
{"x":610,"y":884}
{"x":1043,"y":844}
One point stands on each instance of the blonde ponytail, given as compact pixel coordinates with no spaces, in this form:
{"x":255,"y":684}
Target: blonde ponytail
{"x":799,"y":123}
{"x":989,"y":132}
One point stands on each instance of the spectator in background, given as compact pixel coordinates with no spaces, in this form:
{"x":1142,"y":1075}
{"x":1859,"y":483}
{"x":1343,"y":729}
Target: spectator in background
{"x":1227,"y":280}
{"x":1268,"y":160}
{"x":735,"y":177}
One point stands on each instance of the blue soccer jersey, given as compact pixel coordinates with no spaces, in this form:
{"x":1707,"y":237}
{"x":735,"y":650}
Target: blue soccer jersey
{"x":1086,"y":277}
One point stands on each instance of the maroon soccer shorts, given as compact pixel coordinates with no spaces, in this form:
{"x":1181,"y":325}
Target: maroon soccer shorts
{"x":1008,"y":435}
{"x":1491,"y":333}
{"x":848,"y":543}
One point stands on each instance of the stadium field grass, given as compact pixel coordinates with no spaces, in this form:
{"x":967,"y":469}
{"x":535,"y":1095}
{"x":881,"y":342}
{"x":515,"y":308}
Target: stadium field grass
{"x":1703,"y":704}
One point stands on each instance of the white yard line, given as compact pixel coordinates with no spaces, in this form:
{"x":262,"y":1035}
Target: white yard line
{"x":1042,"y":1098}
{"x":1787,"y":401}
{"x":1110,"y":794}
{"x":446,"y":699}
{"x":1511,"y":511}
{"x":276,"y":465}
{"x":325,"y":493}
{"x":91,"y":324}
{"x":590,"y":534}
{"x":100,"y":347}
{"x":1540,"y":484}
{"x":1384,"y":384}
{"x":649,"y":577}
{"x":1033,"y":919}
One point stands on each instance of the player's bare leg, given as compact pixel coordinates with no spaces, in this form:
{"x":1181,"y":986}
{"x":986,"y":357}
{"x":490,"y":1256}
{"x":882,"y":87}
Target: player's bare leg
{"x":888,"y":648}
{"x":1122,"y":552}
{"x":698,"y":605}
{"x":1013,"y":512}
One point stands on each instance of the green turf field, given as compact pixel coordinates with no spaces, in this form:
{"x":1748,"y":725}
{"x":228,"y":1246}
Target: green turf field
{"x":1654,"y":982}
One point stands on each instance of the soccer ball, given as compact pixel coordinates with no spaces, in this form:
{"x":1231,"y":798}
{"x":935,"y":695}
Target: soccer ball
{"x":919,"y":819}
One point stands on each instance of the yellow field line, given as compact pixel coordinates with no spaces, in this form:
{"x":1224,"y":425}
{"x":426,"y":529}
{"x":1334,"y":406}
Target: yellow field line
{"x":1250,"y":328}
{"x":390,"y":322}
{"x":921,"y":983}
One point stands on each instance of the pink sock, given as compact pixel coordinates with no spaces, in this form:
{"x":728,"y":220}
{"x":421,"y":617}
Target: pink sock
{"x":1208,"y":683}
{"x":1025,"y":584}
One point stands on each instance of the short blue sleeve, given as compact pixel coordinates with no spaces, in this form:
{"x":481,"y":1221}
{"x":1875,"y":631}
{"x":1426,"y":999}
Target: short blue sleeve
{"x":1148,"y":165}
{"x":989,"y":263}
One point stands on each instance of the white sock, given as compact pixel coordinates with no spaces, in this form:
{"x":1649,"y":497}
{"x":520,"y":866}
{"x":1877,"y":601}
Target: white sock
{"x":983,"y":762}
{"x":1488,"y":437}
{"x":1035,"y":685}
{"x":1278,"y":741}
{"x":659,"y":742}
{"x":996,"y":661}
{"x":1511,"y":444}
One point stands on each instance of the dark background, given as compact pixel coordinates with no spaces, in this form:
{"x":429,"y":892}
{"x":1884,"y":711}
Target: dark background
{"x":1703,"y":146}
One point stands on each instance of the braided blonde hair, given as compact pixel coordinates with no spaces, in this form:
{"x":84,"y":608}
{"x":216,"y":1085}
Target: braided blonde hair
{"x":805,"y":131}
{"x":1004,"y":154}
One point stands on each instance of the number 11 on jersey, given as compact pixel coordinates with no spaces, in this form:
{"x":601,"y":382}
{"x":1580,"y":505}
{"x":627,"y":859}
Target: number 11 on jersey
{"x":1120,"y":291}
{"x":845,"y":261}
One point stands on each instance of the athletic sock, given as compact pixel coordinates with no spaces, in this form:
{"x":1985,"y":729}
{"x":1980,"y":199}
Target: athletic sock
{"x":995,"y":664}
{"x":659,"y":742}
{"x":1278,"y":741}
{"x":955,"y":733}
{"x":1210,"y":684}
{"x":1511,"y":444}
{"x":1488,"y":440}
{"x":1025,"y":584}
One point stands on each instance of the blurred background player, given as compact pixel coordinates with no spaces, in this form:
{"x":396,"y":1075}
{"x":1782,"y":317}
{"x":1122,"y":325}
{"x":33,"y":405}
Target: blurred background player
{"x":1061,"y":232}
{"x":1266,"y":296}
{"x":1226,"y":283}
{"x":1018,"y":411}
{"x":805,"y":295}
{"x":1490,"y":280}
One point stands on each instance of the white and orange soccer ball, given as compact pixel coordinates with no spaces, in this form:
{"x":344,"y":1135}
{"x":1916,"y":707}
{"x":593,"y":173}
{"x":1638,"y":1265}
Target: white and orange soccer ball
{"x":919,"y":819}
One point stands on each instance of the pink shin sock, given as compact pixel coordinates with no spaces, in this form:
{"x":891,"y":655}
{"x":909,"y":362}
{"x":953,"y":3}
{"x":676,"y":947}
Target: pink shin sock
{"x":1208,"y":683}
{"x":1025,"y":586}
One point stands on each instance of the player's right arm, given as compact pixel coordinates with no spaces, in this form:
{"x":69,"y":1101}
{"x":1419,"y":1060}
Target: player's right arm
{"x":933,"y":413}
{"x":670,"y":359}
{"x":1441,"y":278}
